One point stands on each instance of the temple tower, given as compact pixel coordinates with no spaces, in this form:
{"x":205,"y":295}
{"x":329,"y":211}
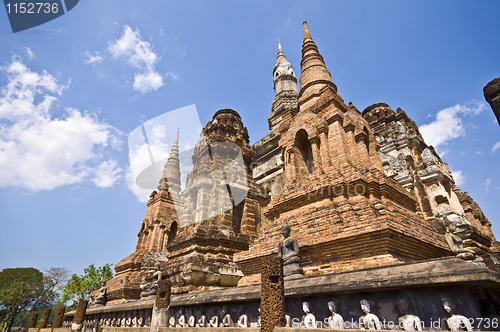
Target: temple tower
{"x":222,"y":209}
{"x":268,"y":171}
{"x":153,"y":237}
{"x":418,"y":168}
{"x":344,"y":210}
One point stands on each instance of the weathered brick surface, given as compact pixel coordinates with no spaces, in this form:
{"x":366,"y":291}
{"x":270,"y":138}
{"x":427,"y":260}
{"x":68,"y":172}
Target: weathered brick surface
{"x":163,"y":294}
{"x":344,"y":210}
{"x":201,"y":253}
{"x":79,"y":315}
{"x":417,"y":166}
{"x":272,"y":298}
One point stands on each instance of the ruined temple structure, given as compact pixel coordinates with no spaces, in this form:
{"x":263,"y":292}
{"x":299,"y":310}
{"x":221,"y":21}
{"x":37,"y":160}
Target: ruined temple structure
{"x":376,"y":213}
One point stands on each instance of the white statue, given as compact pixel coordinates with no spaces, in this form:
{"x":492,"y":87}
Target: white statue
{"x":171,"y":322}
{"x":407,"y":321}
{"x":191,"y":321}
{"x":258,"y":318}
{"x":309,"y":319}
{"x":243,"y":320}
{"x":182,"y":320}
{"x":227,"y":321}
{"x":369,"y":320}
{"x":202,"y":322}
{"x":454,"y":322}
{"x":214,"y":321}
{"x":335,"y":321}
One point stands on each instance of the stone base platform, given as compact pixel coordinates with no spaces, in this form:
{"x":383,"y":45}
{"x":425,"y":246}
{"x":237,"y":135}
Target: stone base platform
{"x":475,"y":291}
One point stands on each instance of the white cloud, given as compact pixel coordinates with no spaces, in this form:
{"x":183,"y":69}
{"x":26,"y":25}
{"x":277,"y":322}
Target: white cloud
{"x":37,"y":151}
{"x":458,"y":177}
{"x":31,"y":55}
{"x":93,"y":59}
{"x":148,"y":81}
{"x":448,"y":124}
{"x":495,"y":147}
{"x":487,"y":184}
{"x":174,"y":77}
{"x":139,"y":54}
{"x":106,"y":174}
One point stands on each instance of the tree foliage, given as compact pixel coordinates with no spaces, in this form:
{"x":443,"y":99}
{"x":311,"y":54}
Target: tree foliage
{"x":23,"y":290}
{"x":80,"y":286}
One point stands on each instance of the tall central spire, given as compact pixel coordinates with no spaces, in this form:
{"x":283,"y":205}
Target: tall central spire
{"x":172,"y":171}
{"x":314,"y":75}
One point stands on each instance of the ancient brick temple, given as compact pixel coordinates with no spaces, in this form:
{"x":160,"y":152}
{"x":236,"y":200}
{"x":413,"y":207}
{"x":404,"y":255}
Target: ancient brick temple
{"x":360,"y":190}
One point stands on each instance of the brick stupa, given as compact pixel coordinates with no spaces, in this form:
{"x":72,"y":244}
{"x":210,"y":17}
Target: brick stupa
{"x":344,"y":210}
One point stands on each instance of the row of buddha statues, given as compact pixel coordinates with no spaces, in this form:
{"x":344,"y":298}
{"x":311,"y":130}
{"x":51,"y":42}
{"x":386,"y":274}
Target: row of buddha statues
{"x":184,"y":318}
{"x":369,"y":321}
{"x":92,"y":325}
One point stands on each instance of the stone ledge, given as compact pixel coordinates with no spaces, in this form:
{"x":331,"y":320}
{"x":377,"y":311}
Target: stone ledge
{"x":439,"y":271}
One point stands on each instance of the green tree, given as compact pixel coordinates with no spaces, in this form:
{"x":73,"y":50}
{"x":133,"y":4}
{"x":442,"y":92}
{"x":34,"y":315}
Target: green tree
{"x":23,"y":290}
{"x":80,"y":286}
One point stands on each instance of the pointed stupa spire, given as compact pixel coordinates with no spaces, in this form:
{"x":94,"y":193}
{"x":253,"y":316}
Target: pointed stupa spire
{"x":172,"y":172}
{"x":281,"y":57}
{"x":313,"y":73}
{"x":307,"y":34}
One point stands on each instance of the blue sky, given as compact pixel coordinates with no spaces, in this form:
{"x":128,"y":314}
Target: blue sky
{"x":72,"y":90}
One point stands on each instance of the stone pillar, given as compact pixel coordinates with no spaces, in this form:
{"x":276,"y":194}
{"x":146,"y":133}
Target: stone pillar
{"x":272,"y":294}
{"x":33,"y":320}
{"x":290,"y":167}
{"x":79,"y":315}
{"x":161,"y":238}
{"x":363,"y":149}
{"x":353,"y":155}
{"x":58,"y":318}
{"x":45,"y":318}
{"x":324,"y":151}
{"x":159,"y":317}
{"x":336,"y":143}
{"x":492,"y":95}
{"x":316,"y":154}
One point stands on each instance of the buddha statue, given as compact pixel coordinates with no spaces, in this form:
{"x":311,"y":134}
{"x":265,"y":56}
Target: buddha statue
{"x":100,"y":299}
{"x":407,"y":321}
{"x":149,"y":289}
{"x":455,"y":243}
{"x":368,"y":320}
{"x":454,"y":322}
{"x":288,"y":250}
{"x":309,"y":319}
{"x":335,"y":321}
{"x":181,"y":322}
{"x":243,"y":320}
{"x":227,"y":321}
